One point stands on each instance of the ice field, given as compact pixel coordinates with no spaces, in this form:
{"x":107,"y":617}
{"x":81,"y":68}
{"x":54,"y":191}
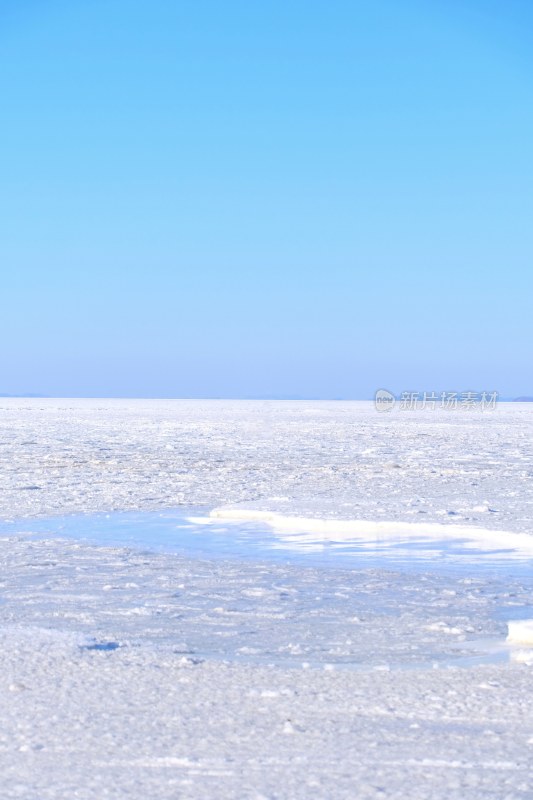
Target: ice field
{"x":265,"y":600}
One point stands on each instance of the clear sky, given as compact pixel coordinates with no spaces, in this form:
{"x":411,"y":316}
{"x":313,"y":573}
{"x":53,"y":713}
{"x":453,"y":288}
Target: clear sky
{"x":223,"y":198}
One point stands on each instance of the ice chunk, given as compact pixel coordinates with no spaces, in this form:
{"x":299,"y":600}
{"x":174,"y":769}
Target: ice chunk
{"x":520,"y":632}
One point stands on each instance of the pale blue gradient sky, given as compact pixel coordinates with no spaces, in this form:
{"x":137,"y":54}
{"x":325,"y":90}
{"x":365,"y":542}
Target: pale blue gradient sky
{"x":250,"y":199}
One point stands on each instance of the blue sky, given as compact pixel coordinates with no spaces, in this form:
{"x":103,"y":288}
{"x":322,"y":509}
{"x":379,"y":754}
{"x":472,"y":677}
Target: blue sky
{"x":252,"y":199}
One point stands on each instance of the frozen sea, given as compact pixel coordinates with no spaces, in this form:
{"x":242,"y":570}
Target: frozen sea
{"x":264,"y":599}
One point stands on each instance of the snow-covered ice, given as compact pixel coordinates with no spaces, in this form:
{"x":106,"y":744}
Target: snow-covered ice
{"x":130,"y":671}
{"x":520,"y":631}
{"x":311,"y":459}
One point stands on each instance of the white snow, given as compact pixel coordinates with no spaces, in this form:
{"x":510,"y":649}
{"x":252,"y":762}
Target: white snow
{"x":520,"y":632}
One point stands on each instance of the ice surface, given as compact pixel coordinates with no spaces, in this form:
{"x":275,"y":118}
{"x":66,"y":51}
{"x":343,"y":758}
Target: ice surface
{"x":129,"y":673}
{"x":310,"y":459}
{"x":237,"y":534}
{"x":300,"y":532}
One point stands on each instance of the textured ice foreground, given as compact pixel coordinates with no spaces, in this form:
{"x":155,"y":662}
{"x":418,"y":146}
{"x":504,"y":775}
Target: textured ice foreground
{"x":130,"y":674}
